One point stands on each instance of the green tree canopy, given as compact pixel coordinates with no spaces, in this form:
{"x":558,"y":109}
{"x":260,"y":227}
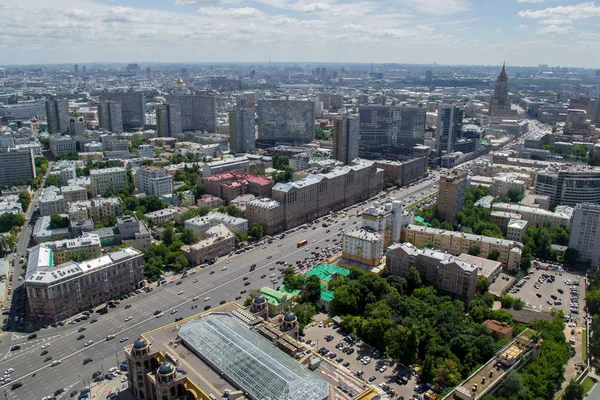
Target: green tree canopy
{"x":52,"y":180}
{"x":58,"y":221}
{"x":25,"y":200}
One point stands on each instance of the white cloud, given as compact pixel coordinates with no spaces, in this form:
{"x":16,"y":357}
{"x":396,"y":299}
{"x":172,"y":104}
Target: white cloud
{"x":187,"y":2}
{"x":231,"y":12}
{"x":439,"y":7}
{"x":530,"y":1}
{"x":554,"y":30}
{"x":316,"y":7}
{"x":563,"y":14}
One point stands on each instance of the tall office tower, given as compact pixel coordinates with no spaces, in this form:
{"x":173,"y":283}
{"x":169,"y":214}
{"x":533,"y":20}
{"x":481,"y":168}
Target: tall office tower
{"x":16,"y":165}
{"x":585,"y":233}
{"x":594,"y":111}
{"x":500,"y":103}
{"x":346,"y":135}
{"x":57,"y":115}
{"x":451,"y":196}
{"x":168,"y":120}
{"x":449,"y":127}
{"x":389,"y":130}
{"x":569,"y":185}
{"x":76,"y":69}
{"x":242,"y":130}
{"x":110,"y":116}
{"x":198,"y":112}
{"x":84,"y":69}
{"x":133,"y":107}
{"x":286,"y":121}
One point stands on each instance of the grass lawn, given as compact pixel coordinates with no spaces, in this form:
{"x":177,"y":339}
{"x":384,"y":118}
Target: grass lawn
{"x":587,"y":384}
{"x":584,"y":344}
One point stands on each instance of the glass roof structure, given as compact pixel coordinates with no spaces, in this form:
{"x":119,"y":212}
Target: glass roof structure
{"x":251,"y":361}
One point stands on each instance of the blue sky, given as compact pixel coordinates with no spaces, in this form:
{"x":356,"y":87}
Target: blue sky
{"x":520,"y":32}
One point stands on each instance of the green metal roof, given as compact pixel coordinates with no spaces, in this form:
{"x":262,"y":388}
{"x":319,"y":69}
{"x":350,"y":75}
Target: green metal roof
{"x":291,"y":292}
{"x":273,"y":296}
{"x":325,"y":272}
{"x":326,"y":295}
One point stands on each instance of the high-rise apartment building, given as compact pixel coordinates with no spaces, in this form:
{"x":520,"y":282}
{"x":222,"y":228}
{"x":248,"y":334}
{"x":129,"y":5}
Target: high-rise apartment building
{"x":110,"y":116}
{"x":168,"y":120}
{"x":500,"y":103}
{"x":16,"y":165}
{"x":569,"y":185}
{"x":108,"y":178}
{"x":286,"y":121}
{"x":390,"y":129}
{"x":76,"y":125}
{"x":57,"y":116}
{"x":346,"y":136}
{"x":451,"y":195}
{"x":153,"y":180}
{"x":242,"y":130}
{"x":585,"y":233}
{"x":198,"y":112}
{"x":448,"y":128}
{"x":133,"y":107}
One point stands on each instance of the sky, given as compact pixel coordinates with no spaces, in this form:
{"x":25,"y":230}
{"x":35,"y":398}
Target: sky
{"x":477,"y":32}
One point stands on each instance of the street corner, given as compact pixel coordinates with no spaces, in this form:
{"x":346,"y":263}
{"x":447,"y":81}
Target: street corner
{"x":115,"y":389}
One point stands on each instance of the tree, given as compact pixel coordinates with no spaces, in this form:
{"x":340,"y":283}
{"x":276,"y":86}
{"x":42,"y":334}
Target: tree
{"x":311,"y":291}
{"x":255,"y":231}
{"x":515,"y":195}
{"x":397,"y":282}
{"x":474,"y":250}
{"x":25,"y":200}
{"x":518,"y":304}
{"x":187,"y":236}
{"x":507,"y":301}
{"x":413,"y":280}
{"x":52,"y":180}
{"x":402,"y":344}
{"x":234,"y":211}
{"x":483,"y":284}
{"x":494,"y":254}
{"x":280,"y":162}
{"x":593,"y":301}
{"x":573,"y":391}
{"x":571,"y":256}
{"x":168,"y":236}
{"x":304,"y":313}
{"x":58,"y":222}
{"x":10,"y":221}
{"x":448,"y":373}
{"x":68,"y":155}
{"x":512,"y":386}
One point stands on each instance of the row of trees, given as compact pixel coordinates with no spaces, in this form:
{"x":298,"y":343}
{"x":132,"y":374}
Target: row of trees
{"x":11,"y":221}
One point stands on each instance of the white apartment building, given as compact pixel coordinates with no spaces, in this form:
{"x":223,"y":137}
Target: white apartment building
{"x":585,"y":233}
{"x":64,"y":170}
{"x":201,"y":224}
{"x":145,"y":150}
{"x":51,"y":201}
{"x":109,"y":178}
{"x":515,"y":229}
{"x":164,"y":215}
{"x":363,"y":247}
{"x":504,"y":182}
{"x":73,"y":193}
{"x":153,"y":180}
{"x":236,"y":164}
{"x":561,"y":216}
{"x":61,"y":143}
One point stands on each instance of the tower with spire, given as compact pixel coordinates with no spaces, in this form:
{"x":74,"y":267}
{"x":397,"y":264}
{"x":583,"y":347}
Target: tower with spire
{"x":500,"y":103}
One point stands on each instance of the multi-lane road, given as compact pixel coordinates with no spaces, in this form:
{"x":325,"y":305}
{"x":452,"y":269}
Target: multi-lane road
{"x":221,"y":285}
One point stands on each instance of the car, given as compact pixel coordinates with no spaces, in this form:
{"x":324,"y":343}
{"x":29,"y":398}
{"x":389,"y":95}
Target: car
{"x":383,"y":369}
{"x":80,"y":337}
{"x":16,"y":385}
{"x":194,"y":306}
{"x":539,"y":295}
{"x":180,"y":293}
{"x":173,"y":312}
{"x":179,"y":282}
{"x":195,"y":281}
{"x":73,"y":393}
{"x":206,"y":307}
{"x":242,"y":291}
{"x":96,"y":374}
{"x":222,"y":302}
{"x":87,"y":360}
{"x":159,"y":315}
{"x":178,"y":319}
{"x":32,"y":336}
{"x":81,"y":329}
{"x":89,"y":342}
{"x":245,"y":278}
{"x":372,"y":378}
{"x":128,"y":306}
{"x":238,"y":297}
{"x":45,"y":346}
{"x":207,"y":298}
{"x":47,"y":358}
{"x":246,"y":283}
{"x":128,"y":318}
{"x":110,"y":337}
{"x":92,"y":321}
{"x":43,"y":353}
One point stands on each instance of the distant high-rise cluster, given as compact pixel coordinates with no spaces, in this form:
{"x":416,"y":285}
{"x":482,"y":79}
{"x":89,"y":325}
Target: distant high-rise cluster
{"x":198,"y":112}
{"x":448,"y":128}
{"x":133,"y":107}
{"x":286,"y":121}
{"x":168,"y":120}
{"x":57,"y":115}
{"x":390,"y":129}
{"x":110,"y":116}
{"x":242,"y":130}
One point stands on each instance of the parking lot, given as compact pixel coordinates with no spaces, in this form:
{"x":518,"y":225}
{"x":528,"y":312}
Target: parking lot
{"x":317,"y":335}
{"x":547,"y":294}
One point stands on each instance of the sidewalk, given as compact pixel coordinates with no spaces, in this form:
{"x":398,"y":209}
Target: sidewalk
{"x":102,"y":389}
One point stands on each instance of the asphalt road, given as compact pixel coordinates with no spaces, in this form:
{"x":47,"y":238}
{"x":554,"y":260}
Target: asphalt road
{"x":222,"y":285}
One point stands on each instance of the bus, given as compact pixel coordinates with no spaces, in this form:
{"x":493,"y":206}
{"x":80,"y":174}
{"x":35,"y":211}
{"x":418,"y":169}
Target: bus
{"x":302,"y":243}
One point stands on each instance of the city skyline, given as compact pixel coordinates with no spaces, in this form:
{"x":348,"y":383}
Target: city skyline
{"x":521,"y":32}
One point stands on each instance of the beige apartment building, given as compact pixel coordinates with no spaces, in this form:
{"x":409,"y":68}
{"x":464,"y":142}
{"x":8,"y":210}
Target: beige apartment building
{"x":317,"y":194}
{"x":451,"y":195}
{"x":266,"y":212}
{"x":561,"y":216}
{"x":96,"y":209}
{"x":459,"y":242}
{"x":108,"y":178}
{"x":218,"y":242}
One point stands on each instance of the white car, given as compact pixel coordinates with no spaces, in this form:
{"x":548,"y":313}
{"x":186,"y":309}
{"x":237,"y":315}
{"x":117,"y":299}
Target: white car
{"x":89,"y":342}
{"x":124,"y":339}
{"x":195,"y":298}
{"x":224,"y":268}
{"x":207,"y":299}
{"x":45,"y":346}
{"x":9,"y":371}
{"x":159,"y":315}
{"x":180,"y":292}
{"x":128,"y":318}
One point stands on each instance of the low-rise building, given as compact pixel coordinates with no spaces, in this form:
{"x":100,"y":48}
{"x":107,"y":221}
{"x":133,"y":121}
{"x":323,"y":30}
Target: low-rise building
{"x":510,"y":252}
{"x":503,"y":183}
{"x":51,"y":201}
{"x":73,"y":193}
{"x":235,"y":164}
{"x":327,"y":272}
{"x":201,"y":224}
{"x":164,"y":215}
{"x":502,"y":218}
{"x":515,"y":229}
{"x":362,"y":246}
{"x":561,"y":216}
{"x":61,"y":143}
{"x":230,"y":185}
{"x":500,"y":330}
{"x":218,"y":241}
{"x":152,"y":180}
{"x":80,"y":249}
{"x":266,"y":212}
{"x":210,"y":200}
{"x":403,"y":172}
{"x":55,"y":292}
{"x":134,"y":232}
{"x":96,"y":209}
{"x":64,"y":170}
{"x":446,"y":272}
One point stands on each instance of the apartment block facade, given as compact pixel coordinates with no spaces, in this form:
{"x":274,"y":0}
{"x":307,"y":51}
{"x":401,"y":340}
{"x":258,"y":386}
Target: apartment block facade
{"x":451,"y":196}
{"x":569,"y":185}
{"x":16,"y":165}
{"x":153,"y":181}
{"x":108,"y":178}
{"x":133,"y":107}
{"x":585,"y":233}
{"x":266,"y":212}
{"x":286,"y":121}
{"x":198,"y":112}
